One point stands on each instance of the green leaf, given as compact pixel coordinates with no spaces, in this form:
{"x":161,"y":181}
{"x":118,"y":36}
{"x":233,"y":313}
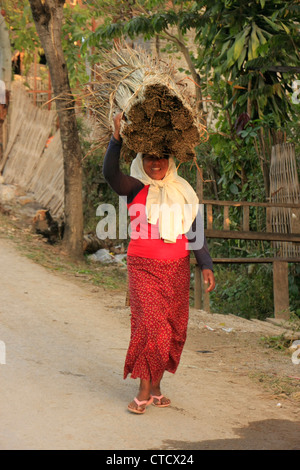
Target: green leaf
{"x":224,"y":47}
{"x":238,"y":47}
{"x":230,"y":60}
{"x":262,"y":38}
{"x":285,"y":28}
{"x":138,"y":25}
{"x":242,"y":57}
{"x":230,"y":102}
{"x":253,"y":44}
{"x":272,"y":24}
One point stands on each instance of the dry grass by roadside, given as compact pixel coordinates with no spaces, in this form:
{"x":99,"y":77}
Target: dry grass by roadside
{"x":280,"y":388}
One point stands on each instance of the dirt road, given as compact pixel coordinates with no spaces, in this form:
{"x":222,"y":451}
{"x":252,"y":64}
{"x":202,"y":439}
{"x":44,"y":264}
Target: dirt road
{"x":62,"y":385}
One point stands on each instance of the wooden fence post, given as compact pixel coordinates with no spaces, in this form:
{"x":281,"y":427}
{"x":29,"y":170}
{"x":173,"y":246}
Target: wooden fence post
{"x":281,"y":290}
{"x":201,"y":300}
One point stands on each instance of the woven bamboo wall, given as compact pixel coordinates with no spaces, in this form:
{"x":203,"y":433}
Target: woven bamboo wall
{"x":26,"y":161}
{"x":47,"y":183}
{"x":284,"y":187}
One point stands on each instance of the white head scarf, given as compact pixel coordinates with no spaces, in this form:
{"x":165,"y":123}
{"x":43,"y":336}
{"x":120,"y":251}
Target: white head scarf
{"x":171,"y":201}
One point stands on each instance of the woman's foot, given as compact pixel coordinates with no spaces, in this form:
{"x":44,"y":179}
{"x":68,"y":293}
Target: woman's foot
{"x":139,"y":406}
{"x":143,"y":398}
{"x":159,"y":399}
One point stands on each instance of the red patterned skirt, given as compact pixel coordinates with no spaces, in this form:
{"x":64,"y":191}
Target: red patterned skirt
{"x":159,"y":301}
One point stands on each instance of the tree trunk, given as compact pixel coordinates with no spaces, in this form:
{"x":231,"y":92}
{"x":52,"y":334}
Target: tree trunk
{"x":195,"y":75}
{"x":48,"y":17}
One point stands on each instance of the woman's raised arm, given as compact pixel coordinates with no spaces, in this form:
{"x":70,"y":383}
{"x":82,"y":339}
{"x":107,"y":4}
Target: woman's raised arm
{"x":122,"y":184}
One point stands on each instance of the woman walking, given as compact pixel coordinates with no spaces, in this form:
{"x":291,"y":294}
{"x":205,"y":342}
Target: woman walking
{"x":158,"y":265}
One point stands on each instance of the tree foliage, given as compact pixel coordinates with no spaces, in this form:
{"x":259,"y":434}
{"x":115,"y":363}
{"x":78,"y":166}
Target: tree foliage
{"x":76,"y":27}
{"x":240,"y":66}
{"x":242,"y":42}
{"x":23,"y":35}
{"x":236,"y":41}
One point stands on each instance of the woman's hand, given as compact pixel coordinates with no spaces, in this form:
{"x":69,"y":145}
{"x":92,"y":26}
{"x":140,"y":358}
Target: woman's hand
{"x":117,"y":125}
{"x":209,"y":278}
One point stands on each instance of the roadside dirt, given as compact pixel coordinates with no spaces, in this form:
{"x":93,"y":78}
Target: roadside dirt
{"x":62,"y":385}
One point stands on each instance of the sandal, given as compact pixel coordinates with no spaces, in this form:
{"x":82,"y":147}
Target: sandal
{"x":159,"y":403}
{"x":140,"y":403}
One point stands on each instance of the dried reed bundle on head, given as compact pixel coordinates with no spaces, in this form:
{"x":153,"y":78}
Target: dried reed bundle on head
{"x":159,"y":114}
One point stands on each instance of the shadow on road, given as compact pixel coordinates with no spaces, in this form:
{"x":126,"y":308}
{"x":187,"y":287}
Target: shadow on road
{"x":273,"y":434}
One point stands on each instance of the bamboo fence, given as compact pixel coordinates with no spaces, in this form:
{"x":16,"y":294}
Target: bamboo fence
{"x":284,"y":187}
{"x":26,"y":161}
{"x":47,"y":183}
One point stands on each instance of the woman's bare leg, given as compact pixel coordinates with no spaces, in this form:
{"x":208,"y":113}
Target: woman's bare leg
{"x":156,"y":390}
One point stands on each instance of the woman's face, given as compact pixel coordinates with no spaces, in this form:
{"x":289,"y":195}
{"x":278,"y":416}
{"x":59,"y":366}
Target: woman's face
{"x":156,"y":168}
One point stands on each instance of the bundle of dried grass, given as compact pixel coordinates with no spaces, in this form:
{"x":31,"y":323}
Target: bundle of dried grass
{"x":160,"y":117}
